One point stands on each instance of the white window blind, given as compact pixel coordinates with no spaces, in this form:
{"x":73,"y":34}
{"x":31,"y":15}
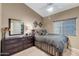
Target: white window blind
{"x":67,"y":27}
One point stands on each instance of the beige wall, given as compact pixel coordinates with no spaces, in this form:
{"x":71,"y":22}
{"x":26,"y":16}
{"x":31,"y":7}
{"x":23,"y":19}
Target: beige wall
{"x":19,"y":11}
{"x":0,"y":27}
{"x":48,"y":23}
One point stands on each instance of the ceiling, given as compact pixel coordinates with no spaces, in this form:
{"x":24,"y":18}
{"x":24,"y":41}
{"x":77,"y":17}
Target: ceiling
{"x":41,"y":8}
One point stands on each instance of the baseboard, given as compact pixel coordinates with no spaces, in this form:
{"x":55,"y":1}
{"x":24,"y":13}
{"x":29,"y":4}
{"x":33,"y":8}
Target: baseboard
{"x":75,"y":49}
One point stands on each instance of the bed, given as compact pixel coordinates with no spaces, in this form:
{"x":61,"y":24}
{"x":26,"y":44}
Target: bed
{"x":53,"y":44}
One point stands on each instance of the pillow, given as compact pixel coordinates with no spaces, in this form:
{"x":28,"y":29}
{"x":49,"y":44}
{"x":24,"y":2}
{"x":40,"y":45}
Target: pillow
{"x":42,"y":32}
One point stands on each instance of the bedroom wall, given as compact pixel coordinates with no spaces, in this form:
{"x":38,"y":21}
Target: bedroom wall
{"x":74,"y":12}
{"x":0,"y":27}
{"x":21,"y":12}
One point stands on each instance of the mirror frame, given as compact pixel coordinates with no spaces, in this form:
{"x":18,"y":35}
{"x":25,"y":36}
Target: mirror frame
{"x":22,"y":31}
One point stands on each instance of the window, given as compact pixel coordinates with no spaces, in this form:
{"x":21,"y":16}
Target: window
{"x":65,"y":27}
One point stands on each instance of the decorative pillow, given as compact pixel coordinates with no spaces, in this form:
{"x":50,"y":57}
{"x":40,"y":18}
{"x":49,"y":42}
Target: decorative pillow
{"x":42,"y":32}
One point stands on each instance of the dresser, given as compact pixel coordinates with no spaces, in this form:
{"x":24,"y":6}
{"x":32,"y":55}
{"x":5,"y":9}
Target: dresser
{"x":13,"y":45}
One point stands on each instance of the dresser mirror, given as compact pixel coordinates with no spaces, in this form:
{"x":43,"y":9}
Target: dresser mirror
{"x":16,"y":27}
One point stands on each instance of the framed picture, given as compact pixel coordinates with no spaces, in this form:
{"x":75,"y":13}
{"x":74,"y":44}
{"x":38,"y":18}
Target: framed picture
{"x":40,"y":24}
{"x":35,"y":23}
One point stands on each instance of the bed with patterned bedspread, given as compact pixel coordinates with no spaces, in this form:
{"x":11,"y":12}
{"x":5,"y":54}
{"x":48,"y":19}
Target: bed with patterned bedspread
{"x":53,"y":44}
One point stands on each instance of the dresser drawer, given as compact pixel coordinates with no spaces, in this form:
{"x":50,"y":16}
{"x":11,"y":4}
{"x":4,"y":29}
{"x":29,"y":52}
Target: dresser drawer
{"x":27,"y":45}
{"x":10,"y":41}
{"x":14,"y":50}
{"x":29,"y":41}
{"x":15,"y":45}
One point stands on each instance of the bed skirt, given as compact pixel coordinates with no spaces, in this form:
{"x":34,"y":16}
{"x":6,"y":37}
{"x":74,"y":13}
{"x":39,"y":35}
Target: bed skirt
{"x":51,"y":50}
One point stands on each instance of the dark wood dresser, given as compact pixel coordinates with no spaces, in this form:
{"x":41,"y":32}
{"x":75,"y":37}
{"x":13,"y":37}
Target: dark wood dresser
{"x":10,"y":46}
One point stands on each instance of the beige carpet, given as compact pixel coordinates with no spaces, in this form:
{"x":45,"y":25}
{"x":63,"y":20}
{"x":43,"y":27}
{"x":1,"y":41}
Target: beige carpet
{"x":34,"y":51}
